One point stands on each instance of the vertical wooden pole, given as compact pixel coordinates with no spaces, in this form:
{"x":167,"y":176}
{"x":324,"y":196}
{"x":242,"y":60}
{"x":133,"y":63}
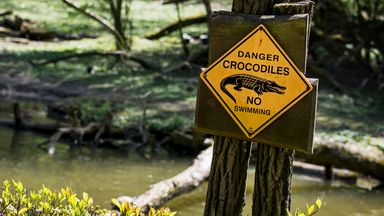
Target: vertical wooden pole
{"x":226,"y":188}
{"x":273,"y":173}
{"x":227,"y":181}
{"x":17,"y":115}
{"x":183,"y":42}
{"x":272,"y":189}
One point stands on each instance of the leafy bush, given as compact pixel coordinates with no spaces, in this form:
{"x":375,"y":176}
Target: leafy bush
{"x":126,"y":209}
{"x":311,"y":209}
{"x":17,"y":201}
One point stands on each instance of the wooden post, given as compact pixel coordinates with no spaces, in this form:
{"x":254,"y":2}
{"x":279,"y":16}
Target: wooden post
{"x":226,"y":188}
{"x":272,"y":188}
{"x":17,"y":115}
{"x":273,"y":173}
{"x":227,"y":181}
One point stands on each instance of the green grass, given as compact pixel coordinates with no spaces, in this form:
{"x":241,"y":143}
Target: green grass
{"x":354,"y":117}
{"x":123,"y":83}
{"x":361,"y":114}
{"x":51,"y":15}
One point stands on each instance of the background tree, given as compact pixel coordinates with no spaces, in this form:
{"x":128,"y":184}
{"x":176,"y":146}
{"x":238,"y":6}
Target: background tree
{"x":348,"y":43}
{"x":120,"y":27}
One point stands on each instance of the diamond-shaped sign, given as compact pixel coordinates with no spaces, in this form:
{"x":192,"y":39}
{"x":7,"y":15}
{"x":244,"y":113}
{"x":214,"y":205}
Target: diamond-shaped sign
{"x":256,"y":81}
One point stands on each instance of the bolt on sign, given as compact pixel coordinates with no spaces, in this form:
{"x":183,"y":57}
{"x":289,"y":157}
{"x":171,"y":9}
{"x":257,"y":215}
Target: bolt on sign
{"x":256,"y":81}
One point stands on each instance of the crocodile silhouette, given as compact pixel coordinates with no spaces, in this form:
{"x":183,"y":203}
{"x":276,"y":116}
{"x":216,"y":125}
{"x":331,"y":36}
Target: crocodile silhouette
{"x":259,"y":85}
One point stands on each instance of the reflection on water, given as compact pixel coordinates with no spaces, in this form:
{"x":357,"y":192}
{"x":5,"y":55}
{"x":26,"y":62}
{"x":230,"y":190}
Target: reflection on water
{"x":105,"y":174}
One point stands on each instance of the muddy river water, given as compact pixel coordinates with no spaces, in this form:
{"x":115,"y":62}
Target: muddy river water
{"x":105,"y":174}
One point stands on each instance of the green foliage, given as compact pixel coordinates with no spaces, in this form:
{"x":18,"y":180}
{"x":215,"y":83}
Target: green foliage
{"x":18,"y":201}
{"x":311,"y":209}
{"x":171,"y":123}
{"x":127,"y":209}
{"x":118,"y":11}
{"x":347,"y":35}
{"x":92,"y":111}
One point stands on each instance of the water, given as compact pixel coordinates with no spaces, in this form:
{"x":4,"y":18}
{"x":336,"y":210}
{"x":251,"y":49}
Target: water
{"x":105,"y":174}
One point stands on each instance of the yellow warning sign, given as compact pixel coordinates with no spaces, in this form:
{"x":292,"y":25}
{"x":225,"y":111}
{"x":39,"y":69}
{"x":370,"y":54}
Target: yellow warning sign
{"x":256,"y":81}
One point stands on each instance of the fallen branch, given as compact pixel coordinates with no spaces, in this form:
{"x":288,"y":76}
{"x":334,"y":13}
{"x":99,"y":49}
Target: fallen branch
{"x":5,"y":32}
{"x":189,"y":179}
{"x":41,"y":128}
{"x":14,"y":89}
{"x":17,"y":27}
{"x":6,"y":13}
{"x":176,"y":26}
{"x":78,"y":131}
{"x":361,"y":158}
{"x":352,"y":156}
{"x":122,"y":54}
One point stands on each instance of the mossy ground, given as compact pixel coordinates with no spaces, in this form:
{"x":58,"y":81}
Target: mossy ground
{"x":172,"y":95}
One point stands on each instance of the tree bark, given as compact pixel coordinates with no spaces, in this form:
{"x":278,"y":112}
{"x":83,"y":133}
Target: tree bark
{"x":227,"y":180}
{"x":208,"y":8}
{"x":272,"y":189}
{"x":116,"y":9}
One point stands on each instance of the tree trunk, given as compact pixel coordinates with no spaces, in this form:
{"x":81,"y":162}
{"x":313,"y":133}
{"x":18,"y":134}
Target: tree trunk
{"x":116,"y":9}
{"x":272,"y":189}
{"x":105,"y":23}
{"x":17,"y":115}
{"x":227,"y":180}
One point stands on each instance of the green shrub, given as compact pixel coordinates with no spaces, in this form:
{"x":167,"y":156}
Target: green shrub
{"x":311,"y":209}
{"x":126,"y":209}
{"x":17,"y":201}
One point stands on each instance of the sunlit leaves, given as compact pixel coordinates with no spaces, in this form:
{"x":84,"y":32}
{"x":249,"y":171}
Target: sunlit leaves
{"x":17,"y":201}
{"x":128,"y":209}
{"x":318,"y":203}
{"x":311,"y":209}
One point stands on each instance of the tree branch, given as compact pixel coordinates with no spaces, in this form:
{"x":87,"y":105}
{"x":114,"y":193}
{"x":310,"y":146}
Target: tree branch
{"x":6,"y":13}
{"x":107,"y":25}
{"x":122,"y":54}
{"x":176,"y":26}
{"x":186,"y":181}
